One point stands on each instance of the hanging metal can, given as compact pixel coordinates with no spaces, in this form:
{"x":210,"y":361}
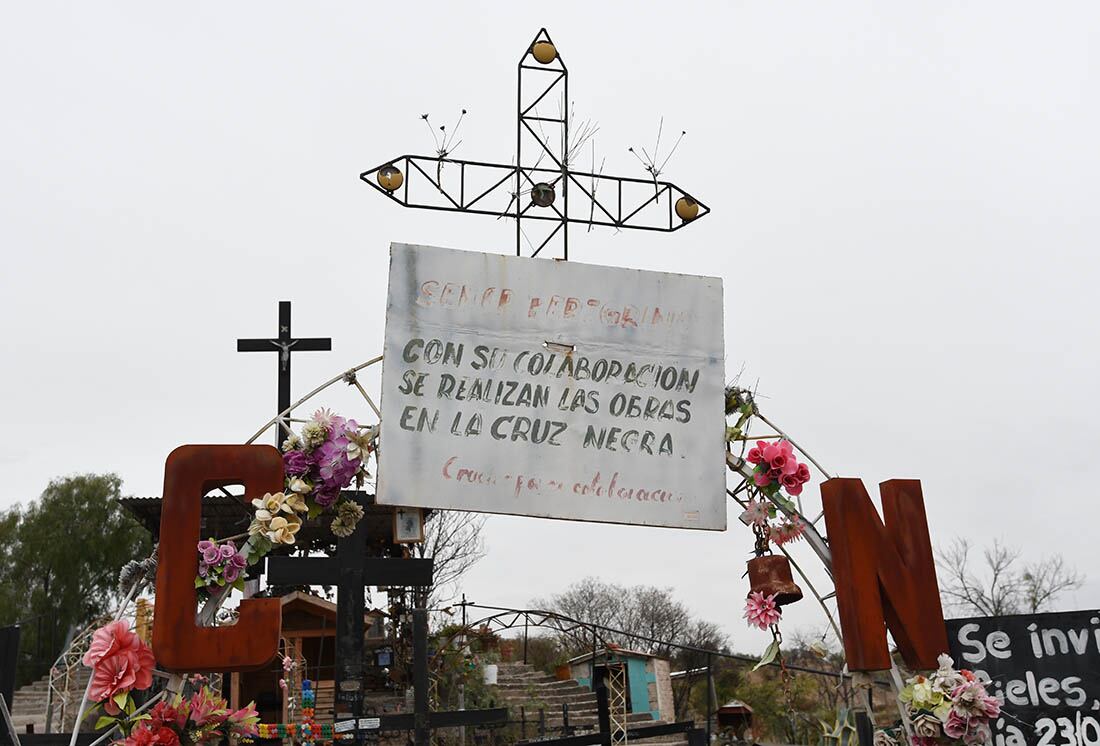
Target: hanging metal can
{"x":771,"y":575}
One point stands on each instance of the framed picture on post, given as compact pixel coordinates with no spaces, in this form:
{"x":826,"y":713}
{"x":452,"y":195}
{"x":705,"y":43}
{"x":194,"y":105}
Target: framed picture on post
{"x":408,"y":525}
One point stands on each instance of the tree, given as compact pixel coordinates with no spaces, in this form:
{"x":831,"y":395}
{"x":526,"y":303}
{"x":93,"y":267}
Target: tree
{"x":650,"y":617}
{"x":453,"y":539}
{"x":60,"y":562}
{"x":1002,"y":583}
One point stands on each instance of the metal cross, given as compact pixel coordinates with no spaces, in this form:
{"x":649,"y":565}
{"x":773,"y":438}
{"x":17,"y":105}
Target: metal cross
{"x":542,"y":184}
{"x":352,"y":570}
{"x":284,"y":343}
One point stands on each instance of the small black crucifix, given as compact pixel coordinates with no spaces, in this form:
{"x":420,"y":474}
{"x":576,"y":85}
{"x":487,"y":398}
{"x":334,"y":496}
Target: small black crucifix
{"x":542,"y":185}
{"x":353,"y":570}
{"x":284,"y":343}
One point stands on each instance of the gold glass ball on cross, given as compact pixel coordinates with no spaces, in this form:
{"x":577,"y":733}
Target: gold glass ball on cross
{"x":389,"y":177}
{"x":687,"y":209}
{"x":544,"y":52}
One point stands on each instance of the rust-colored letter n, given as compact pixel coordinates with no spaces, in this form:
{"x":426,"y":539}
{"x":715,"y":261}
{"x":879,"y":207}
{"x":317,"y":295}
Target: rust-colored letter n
{"x":884,"y":574}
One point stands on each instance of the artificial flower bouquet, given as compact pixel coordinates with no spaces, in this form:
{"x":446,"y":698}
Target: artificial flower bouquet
{"x":202,"y":718}
{"x":949,"y":707}
{"x":325,"y":459}
{"x":776,"y":466}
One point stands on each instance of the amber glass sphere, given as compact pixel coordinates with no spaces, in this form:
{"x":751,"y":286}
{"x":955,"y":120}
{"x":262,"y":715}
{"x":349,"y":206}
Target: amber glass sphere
{"x":544,"y":52}
{"x":687,"y":208}
{"x":389,"y":177}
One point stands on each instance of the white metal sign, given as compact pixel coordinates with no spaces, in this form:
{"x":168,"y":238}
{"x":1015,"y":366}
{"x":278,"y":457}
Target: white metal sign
{"x":553,"y":389}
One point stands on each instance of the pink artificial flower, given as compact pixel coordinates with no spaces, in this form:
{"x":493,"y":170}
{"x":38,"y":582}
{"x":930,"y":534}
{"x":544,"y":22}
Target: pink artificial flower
{"x":172,"y":715}
{"x":756,"y":453}
{"x":243,"y":722}
{"x":110,"y":677}
{"x":795,"y":491}
{"x":761,"y":478}
{"x":803,"y":473}
{"x":788,"y":531}
{"x":760,"y":610}
{"x":789,"y":481}
{"x":756,"y":513}
{"x":774,"y":474}
{"x":972,"y":700}
{"x":108,"y":640}
{"x":770,"y":452}
{"x":207,"y":708}
{"x":146,"y":735}
{"x":282,"y":684}
{"x":956,"y":725}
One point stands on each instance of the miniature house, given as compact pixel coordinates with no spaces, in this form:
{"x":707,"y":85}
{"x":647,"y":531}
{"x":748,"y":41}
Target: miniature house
{"x":648,"y":687}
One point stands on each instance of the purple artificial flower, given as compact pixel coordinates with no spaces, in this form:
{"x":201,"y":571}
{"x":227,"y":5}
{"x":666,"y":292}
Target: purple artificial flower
{"x":211,"y":555}
{"x":203,"y":569}
{"x":231,"y":572}
{"x":227,"y":550}
{"x":296,"y":462}
{"x":204,"y":545}
{"x":238,"y":561}
{"x":325,"y":499}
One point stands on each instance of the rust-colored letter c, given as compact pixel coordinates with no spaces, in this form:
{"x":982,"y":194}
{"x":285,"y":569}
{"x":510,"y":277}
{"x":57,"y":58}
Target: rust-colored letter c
{"x":179,"y":644}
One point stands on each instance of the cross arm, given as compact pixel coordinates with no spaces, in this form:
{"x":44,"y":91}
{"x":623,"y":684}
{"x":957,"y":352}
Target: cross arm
{"x":326,"y":571}
{"x":255,"y":345}
{"x":313,"y":344}
{"x":483,"y":188}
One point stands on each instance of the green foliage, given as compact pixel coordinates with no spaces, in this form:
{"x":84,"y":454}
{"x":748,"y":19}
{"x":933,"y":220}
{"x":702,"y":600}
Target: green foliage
{"x":59,"y":563}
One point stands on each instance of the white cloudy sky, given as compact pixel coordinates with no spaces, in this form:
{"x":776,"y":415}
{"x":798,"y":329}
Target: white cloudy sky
{"x":905,"y":218}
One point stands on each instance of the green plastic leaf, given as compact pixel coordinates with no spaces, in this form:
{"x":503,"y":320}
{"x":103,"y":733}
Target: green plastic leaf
{"x":238,"y":584}
{"x":120,"y":699}
{"x":103,"y":722}
{"x":769,"y":655}
{"x":199,"y":582}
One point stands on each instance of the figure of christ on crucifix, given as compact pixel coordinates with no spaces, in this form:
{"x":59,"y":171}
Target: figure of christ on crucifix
{"x":284,"y":343}
{"x":352,"y":570}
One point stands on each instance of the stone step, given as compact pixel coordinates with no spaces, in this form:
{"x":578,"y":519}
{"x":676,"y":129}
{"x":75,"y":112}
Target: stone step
{"x":551,"y":684}
{"x":564,"y":695}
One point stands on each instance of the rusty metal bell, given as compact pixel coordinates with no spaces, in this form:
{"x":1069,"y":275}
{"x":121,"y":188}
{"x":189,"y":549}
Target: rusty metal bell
{"x":771,"y":574}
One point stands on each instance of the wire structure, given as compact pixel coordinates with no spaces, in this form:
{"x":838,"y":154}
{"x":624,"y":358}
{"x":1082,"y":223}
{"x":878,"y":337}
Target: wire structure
{"x":540,"y":189}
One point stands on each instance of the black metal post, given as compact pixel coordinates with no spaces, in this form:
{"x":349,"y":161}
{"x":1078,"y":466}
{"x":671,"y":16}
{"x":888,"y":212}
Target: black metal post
{"x":864,"y":729}
{"x":603,"y":714}
{"x":710,"y":694}
{"x":421,"y":729}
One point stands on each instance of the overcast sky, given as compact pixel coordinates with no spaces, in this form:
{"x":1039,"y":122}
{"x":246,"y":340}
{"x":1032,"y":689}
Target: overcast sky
{"x":905,"y":218}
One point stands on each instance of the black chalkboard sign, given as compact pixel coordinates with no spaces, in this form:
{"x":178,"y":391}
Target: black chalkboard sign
{"x":1044,"y":667}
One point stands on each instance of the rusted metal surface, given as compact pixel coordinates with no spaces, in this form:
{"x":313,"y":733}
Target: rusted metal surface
{"x":178,"y":643}
{"x":884,"y":573}
{"x":771,"y":575}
